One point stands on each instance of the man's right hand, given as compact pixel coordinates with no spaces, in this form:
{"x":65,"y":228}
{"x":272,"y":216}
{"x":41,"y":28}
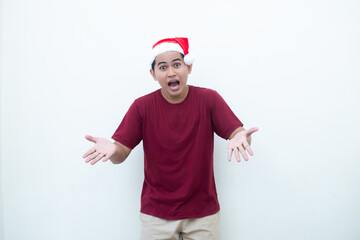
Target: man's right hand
{"x":102,"y":150}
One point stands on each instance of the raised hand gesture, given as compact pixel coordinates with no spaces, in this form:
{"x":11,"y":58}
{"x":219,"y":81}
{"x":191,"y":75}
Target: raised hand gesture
{"x":241,"y":143}
{"x":102,"y":150}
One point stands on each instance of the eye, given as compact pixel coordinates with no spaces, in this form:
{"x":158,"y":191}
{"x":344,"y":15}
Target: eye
{"x":162,"y":67}
{"x":177,"y":64}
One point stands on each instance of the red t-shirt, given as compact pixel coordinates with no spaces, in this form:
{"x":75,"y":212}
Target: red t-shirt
{"x":178,"y":142}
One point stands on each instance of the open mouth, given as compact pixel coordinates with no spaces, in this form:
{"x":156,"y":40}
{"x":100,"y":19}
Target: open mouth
{"x":174,"y":84}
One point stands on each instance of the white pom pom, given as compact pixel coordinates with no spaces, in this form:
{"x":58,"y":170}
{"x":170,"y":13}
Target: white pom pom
{"x":189,"y":59}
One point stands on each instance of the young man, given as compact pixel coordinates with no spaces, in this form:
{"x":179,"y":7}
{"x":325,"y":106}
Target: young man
{"x":176,"y":124}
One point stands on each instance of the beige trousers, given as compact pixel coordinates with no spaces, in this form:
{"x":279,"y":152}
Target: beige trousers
{"x":205,"y":228}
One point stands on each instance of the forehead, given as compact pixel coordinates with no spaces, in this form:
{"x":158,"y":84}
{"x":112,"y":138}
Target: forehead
{"x":167,"y":56}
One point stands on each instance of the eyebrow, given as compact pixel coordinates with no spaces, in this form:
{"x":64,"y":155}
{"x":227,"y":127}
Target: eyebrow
{"x":174,"y":60}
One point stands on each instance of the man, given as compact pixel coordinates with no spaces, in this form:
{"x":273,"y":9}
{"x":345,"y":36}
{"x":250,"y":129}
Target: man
{"x":176,"y":124}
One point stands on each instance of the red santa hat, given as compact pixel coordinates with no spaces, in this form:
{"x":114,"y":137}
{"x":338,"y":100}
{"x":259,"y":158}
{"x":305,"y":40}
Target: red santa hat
{"x":177,"y":44}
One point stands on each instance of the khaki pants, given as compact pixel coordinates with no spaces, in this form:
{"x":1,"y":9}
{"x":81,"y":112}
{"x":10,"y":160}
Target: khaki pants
{"x":207,"y":228}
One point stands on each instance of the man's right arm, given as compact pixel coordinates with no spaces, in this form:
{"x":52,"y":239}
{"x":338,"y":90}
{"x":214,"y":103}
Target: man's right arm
{"x":104,"y":150}
{"x":121,"y":153}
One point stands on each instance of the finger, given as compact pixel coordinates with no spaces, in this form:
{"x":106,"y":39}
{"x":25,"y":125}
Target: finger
{"x":237,"y":156}
{"x":90,"y":138}
{"x":248,"y":148}
{"x":230,"y":150}
{"x":98,"y":158}
{"x":91,"y":157}
{"x":106,"y":157}
{"x":243,"y":153}
{"x":91,"y":151}
{"x":94,"y":161}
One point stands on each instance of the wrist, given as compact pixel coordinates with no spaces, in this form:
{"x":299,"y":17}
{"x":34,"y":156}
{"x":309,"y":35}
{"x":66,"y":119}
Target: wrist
{"x":235,"y":132}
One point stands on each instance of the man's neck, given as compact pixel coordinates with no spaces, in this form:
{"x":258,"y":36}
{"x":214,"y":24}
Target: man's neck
{"x":176,"y":99}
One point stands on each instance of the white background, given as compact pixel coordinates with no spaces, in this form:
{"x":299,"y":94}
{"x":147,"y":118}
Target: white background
{"x":73,"y":67}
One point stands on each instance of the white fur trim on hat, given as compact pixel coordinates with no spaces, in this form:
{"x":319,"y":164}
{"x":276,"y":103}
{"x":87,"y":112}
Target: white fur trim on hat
{"x":189,"y":59}
{"x":165,"y":47}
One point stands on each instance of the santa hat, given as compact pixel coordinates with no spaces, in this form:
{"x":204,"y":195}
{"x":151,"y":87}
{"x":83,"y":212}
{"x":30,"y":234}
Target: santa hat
{"x":177,"y":44}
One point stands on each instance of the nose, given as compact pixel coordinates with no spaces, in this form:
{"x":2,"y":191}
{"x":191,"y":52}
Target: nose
{"x":171,"y":72}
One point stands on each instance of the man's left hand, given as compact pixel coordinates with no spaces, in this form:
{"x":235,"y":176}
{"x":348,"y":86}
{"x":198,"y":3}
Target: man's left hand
{"x":241,"y":143}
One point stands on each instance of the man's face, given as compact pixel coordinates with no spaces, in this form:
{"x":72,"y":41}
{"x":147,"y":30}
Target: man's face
{"x":171,"y":72}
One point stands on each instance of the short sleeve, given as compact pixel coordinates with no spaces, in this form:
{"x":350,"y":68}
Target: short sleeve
{"x":224,"y":121}
{"x":129,"y":132}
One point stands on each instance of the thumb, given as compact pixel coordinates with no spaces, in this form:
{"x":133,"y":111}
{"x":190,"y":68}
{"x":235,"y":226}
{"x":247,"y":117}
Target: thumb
{"x":90,"y":138}
{"x":251,"y":131}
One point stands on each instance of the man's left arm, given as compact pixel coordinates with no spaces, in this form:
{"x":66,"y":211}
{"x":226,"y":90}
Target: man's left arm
{"x":239,"y":141}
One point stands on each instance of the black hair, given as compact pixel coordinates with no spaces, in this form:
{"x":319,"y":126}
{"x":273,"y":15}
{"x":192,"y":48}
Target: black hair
{"x":153,"y":63}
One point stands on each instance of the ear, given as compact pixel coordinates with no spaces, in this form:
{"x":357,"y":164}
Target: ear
{"x":189,"y":68}
{"x":153,"y":74}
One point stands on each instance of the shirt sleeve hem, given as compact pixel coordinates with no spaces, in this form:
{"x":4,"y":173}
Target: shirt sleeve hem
{"x":125,"y":143}
{"x":232,"y":129}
